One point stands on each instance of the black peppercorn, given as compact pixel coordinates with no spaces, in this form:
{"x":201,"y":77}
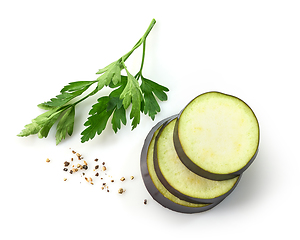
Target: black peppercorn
{"x":65,"y":169}
{"x":66,"y":163}
{"x":85,"y":167}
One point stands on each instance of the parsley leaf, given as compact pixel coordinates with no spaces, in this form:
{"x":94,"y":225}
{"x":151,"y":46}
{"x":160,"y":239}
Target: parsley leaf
{"x":74,"y":89}
{"x":65,"y":125}
{"x":112,"y":72}
{"x":149,"y":89}
{"x":116,"y":104}
{"x":42,"y":124}
{"x":96,"y":123}
{"x":118,"y":117}
{"x":132,"y":93}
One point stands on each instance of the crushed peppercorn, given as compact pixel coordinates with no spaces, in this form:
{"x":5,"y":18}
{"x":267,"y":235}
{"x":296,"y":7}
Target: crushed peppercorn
{"x":47,"y":160}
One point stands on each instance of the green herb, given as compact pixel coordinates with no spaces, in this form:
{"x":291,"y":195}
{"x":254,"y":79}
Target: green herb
{"x":126,"y":91}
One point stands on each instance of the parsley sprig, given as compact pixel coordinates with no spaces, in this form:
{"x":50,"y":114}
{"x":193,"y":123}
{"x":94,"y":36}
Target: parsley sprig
{"x":127,"y":91}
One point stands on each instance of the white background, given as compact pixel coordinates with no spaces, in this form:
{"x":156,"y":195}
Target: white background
{"x":250,"y":49}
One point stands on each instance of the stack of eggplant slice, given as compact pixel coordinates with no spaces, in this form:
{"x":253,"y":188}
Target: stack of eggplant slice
{"x":192,"y":161}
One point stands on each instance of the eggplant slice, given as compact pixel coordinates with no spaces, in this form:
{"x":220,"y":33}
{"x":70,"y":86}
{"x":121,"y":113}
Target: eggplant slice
{"x":178,"y":179}
{"x":156,"y":189}
{"x":217,"y":136}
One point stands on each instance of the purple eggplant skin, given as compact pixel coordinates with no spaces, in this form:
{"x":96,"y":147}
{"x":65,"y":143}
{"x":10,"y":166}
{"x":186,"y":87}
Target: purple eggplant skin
{"x":155,"y":194}
{"x":177,"y":193}
{"x":198,"y":170}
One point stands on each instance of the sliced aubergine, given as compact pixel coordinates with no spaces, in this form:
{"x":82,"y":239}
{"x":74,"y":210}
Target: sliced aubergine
{"x":178,"y":179}
{"x":156,"y":189}
{"x":217,"y":136}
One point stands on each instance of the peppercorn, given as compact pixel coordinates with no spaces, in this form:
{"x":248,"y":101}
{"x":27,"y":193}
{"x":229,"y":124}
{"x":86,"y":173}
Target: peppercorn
{"x":66,"y":163}
{"x":65,"y":169}
{"x":121,"y":190}
{"x":85,"y":167}
{"x":47,"y":160}
{"x":97,"y":174}
{"x":97,"y":166}
{"x":103,"y":168}
{"x":132,"y":177}
{"x":122,"y":179}
{"x":96,"y":160}
{"x":145,"y":201}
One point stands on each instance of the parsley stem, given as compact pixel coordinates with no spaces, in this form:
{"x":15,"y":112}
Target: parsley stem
{"x":143,"y":57}
{"x":142,"y":40}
